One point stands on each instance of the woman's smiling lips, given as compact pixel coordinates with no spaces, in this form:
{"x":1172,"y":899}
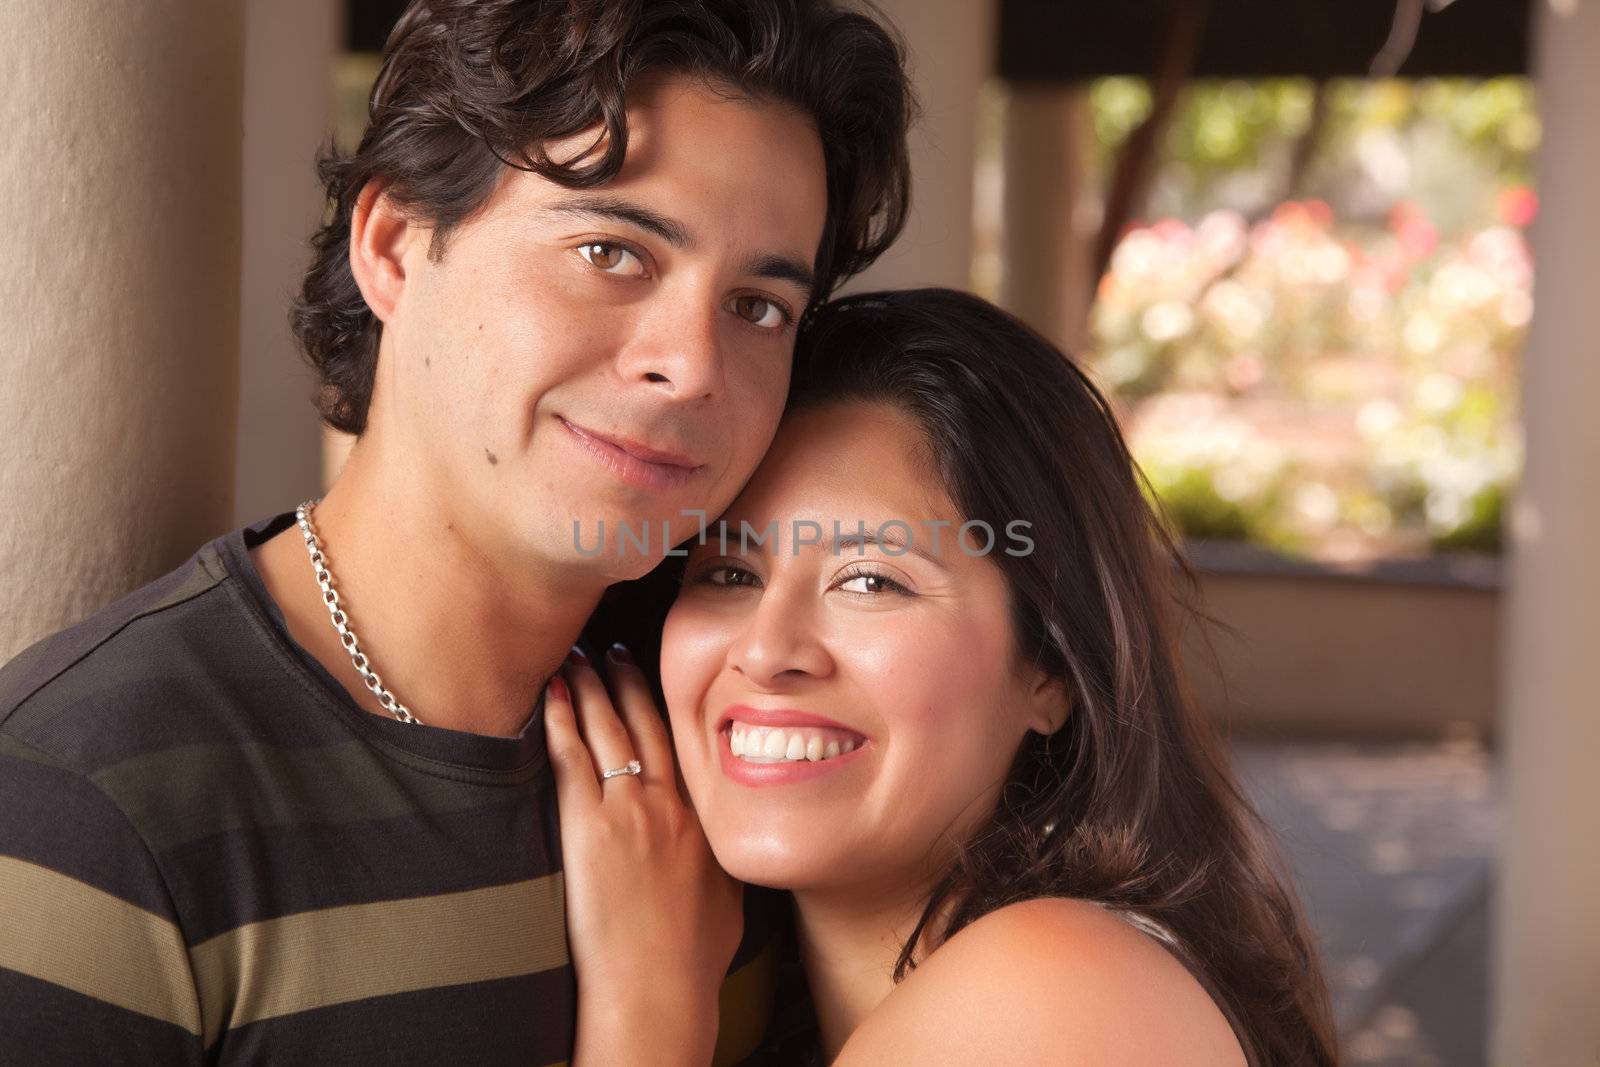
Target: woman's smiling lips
{"x":637,"y":464}
{"x":765,"y":746}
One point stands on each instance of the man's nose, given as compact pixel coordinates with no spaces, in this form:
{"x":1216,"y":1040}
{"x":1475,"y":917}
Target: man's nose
{"x":676,"y":348}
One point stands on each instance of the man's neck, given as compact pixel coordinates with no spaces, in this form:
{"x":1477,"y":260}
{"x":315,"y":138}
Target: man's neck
{"x":464,"y":640}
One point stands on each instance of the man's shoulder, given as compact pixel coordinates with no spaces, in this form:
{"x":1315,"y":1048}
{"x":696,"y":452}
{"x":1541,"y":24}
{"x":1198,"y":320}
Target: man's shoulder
{"x":125,"y":668}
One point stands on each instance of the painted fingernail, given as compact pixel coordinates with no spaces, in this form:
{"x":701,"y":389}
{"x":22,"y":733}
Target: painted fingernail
{"x":558,"y":687}
{"x":620,"y":653}
{"x":576,"y":656}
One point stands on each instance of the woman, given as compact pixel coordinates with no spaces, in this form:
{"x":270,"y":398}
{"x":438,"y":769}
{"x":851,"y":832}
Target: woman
{"x":953,"y":726}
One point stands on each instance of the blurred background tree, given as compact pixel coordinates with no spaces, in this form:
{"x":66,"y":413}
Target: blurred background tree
{"x":1312,"y":324}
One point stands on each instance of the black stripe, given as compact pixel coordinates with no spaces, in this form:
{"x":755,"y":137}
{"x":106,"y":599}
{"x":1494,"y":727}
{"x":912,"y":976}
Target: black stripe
{"x":37,"y":665}
{"x":55,"y":818}
{"x":166,"y":686}
{"x":523,"y":1021}
{"x":43,"y":1023}
{"x":185,"y":794}
{"x":288,"y":869}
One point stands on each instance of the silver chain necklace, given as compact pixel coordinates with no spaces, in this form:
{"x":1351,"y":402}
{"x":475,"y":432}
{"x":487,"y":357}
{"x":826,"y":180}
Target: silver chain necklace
{"x":347,"y":636}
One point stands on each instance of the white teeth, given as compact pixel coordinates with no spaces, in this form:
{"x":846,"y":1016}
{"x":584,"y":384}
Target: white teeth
{"x":768,"y":744}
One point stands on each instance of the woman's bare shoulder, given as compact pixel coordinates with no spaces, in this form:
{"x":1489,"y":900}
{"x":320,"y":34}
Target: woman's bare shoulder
{"x":1048,"y":981}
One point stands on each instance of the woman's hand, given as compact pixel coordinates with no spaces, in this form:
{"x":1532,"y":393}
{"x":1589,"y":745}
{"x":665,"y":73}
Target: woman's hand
{"x":652,"y":920}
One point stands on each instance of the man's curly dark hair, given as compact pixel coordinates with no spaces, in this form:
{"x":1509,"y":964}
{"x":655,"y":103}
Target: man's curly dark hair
{"x":469,"y":87}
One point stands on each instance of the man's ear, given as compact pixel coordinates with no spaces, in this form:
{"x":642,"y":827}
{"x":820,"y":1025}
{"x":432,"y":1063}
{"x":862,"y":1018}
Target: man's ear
{"x":1049,"y":703}
{"x":380,"y":236}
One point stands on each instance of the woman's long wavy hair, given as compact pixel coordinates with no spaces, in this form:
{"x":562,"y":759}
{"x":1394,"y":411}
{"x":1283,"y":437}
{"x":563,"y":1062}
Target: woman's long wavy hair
{"x":1131,"y":803}
{"x":469,"y":88}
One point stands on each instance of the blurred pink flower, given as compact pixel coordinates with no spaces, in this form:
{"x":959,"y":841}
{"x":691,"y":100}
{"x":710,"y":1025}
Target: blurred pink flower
{"x":1417,"y":236}
{"x":1518,"y":205}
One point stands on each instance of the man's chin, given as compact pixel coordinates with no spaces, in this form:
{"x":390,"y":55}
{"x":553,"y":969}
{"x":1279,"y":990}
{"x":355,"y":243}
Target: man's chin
{"x":631,"y":543}
{"x":627,"y":569}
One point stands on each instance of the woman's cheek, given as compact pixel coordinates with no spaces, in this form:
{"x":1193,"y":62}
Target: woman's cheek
{"x":940,"y":698}
{"x":675,"y":673}
{"x":693,"y":649}
{"x":917,"y":660}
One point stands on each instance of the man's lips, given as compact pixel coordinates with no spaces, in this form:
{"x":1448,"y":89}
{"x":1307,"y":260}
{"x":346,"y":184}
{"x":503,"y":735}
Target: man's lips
{"x":635,"y":448}
{"x":633,"y":461}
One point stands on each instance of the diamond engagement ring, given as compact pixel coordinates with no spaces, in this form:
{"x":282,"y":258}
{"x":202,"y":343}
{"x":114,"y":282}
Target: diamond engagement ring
{"x":632,"y":768}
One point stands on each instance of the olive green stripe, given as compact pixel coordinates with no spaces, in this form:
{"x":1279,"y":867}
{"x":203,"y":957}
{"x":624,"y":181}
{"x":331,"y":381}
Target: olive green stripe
{"x":744,"y":1007}
{"x":11,"y":746}
{"x":92,"y":942}
{"x":79,"y":682}
{"x":183,"y":794}
{"x":336,"y":955}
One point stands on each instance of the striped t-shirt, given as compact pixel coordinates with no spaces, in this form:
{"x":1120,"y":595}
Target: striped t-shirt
{"x":210,"y":854}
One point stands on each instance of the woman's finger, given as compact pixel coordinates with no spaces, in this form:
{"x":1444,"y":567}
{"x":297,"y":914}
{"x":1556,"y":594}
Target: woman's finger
{"x":576,"y":786}
{"x":639,"y":712}
{"x":646,"y":724}
{"x":604,"y":733}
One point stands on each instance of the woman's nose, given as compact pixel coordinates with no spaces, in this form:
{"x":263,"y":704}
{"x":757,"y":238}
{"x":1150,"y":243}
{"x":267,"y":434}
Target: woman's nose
{"x":780,"y":643}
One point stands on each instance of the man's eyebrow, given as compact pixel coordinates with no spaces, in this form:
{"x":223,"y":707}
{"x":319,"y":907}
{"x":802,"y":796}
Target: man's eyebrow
{"x":616,"y":209}
{"x":785,"y":269}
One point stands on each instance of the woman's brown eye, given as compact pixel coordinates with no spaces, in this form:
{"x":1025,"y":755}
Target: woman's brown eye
{"x":869,"y":583}
{"x":728,"y":576}
{"x":604,"y":256}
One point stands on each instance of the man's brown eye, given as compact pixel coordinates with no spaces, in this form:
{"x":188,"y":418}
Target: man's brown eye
{"x":611,"y":258}
{"x":604,"y":256}
{"x":759,"y":311}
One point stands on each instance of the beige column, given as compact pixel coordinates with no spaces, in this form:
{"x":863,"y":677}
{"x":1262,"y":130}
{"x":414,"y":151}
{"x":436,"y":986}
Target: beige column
{"x":119,"y":296}
{"x":952,"y":45}
{"x":1051,"y":211}
{"x":1547,"y":967}
{"x":290,"y":47}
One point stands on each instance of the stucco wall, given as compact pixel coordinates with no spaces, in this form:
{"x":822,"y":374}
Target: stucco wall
{"x":119,"y":199}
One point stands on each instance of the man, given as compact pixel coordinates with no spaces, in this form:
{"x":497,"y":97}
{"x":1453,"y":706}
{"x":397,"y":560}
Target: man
{"x":290,"y":802}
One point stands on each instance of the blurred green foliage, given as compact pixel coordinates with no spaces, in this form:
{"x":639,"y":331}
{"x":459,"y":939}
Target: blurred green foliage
{"x":1224,"y":127}
{"x":1337,"y":372}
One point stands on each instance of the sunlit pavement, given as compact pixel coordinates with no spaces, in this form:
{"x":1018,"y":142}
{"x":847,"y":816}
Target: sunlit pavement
{"x":1392,"y":846}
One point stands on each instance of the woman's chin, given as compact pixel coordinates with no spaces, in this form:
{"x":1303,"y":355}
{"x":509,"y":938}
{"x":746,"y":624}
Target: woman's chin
{"x":777,"y":865}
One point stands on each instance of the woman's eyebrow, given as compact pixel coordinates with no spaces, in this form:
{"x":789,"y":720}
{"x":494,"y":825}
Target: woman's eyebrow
{"x":885,"y":540}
